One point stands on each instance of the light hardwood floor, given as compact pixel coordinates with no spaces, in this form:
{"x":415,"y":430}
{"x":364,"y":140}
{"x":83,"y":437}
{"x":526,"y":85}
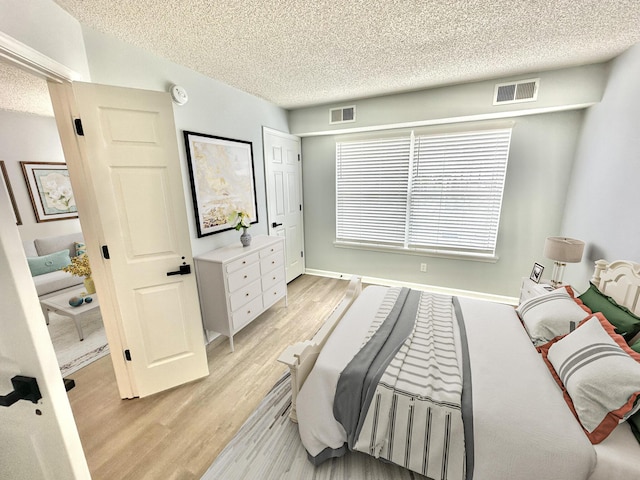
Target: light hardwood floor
{"x":177,"y":434}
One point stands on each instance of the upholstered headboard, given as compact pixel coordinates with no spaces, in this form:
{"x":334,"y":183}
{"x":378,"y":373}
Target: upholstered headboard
{"x":619,"y":280}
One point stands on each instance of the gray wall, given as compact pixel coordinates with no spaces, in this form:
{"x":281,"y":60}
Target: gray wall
{"x":213,"y":108}
{"x":568,"y":88}
{"x":543,"y":145}
{"x":540,"y":165}
{"x":603,"y":197}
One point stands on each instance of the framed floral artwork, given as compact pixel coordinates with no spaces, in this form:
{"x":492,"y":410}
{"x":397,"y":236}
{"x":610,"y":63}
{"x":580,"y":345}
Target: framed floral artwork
{"x":222,"y":180}
{"x":7,"y":184}
{"x":50,"y":190}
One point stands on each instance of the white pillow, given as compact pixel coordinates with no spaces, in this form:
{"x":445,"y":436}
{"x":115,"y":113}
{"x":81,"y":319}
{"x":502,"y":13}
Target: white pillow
{"x":601,"y":376}
{"x":550,"y":315}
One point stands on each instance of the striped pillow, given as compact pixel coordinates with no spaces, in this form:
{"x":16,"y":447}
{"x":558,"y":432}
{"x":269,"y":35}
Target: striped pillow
{"x":550,"y":315}
{"x":600,"y":375}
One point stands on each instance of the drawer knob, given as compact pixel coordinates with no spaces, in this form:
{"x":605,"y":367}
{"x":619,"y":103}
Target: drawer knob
{"x":273,"y":278}
{"x":248,"y":312}
{"x":246,"y":294}
{"x":273,"y":262}
{"x":245,"y":276}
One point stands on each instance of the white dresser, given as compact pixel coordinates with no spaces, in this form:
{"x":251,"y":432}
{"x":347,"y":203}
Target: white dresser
{"x":530,"y":289}
{"x":236,"y":283}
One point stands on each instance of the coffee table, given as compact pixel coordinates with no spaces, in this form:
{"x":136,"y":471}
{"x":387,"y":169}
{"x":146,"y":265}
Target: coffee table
{"x":60,"y":305}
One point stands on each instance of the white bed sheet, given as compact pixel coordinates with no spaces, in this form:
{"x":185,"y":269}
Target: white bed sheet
{"x":523,"y":429}
{"x":314,"y":405}
{"x":618,"y":456}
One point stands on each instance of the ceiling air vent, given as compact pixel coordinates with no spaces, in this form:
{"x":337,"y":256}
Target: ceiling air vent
{"x":342,"y":114}
{"x":515,"y":92}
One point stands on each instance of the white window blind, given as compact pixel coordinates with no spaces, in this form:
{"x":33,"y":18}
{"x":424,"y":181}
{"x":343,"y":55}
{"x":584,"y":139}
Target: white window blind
{"x":450,"y":203}
{"x":371,"y":190}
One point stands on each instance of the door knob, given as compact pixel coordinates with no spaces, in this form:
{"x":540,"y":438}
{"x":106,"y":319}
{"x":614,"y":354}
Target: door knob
{"x":274,"y":225}
{"x":184,"y":270}
{"x":24,"y":388}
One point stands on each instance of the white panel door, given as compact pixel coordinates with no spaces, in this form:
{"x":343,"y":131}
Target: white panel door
{"x":126,"y":174}
{"x":39,"y":440}
{"x":283,"y":172}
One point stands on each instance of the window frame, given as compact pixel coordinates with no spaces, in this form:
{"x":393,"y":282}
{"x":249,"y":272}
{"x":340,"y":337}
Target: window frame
{"x":485,"y":144}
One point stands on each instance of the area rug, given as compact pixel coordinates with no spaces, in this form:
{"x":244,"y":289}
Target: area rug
{"x":268,"y":447}
{"x":73,"y":354}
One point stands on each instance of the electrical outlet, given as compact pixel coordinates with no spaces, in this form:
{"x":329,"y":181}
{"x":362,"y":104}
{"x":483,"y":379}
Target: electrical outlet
{"x":423,"y":267}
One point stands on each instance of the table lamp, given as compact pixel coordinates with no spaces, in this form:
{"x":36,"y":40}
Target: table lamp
{"x":562,"y":250}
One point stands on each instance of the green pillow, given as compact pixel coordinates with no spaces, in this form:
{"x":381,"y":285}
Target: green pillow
{"x":626,"y":323}
{"x":48,"y":263}
{"x":636,"y":348}
{"x":634,"y":423}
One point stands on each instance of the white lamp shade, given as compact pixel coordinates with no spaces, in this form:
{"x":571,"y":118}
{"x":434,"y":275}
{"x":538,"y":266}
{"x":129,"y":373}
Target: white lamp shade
{"x":563,"y":249}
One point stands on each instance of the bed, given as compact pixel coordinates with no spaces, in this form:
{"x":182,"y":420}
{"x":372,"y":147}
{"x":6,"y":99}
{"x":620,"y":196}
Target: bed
{"x":513,"y":417}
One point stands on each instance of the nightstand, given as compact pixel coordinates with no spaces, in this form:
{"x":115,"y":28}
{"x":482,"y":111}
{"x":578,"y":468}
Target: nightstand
{"x":530,"y":289}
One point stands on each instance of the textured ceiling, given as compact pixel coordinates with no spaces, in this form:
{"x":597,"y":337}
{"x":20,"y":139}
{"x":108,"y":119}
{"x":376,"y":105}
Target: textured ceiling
{"x":297,"y":53}
{"x":23,"y":92}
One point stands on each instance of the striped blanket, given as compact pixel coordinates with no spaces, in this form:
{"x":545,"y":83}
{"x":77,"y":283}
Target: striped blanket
{"x":400,"y":398}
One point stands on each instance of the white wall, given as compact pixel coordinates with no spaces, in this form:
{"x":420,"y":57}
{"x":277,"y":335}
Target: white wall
{"x":603,"y":198}
{"x":31,"y":138}
{"x":213,"y":108}
{"x":47,"y":28}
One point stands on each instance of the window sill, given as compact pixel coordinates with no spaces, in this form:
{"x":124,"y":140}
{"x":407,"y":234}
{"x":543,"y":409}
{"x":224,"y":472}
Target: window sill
{"x":417,"y":251}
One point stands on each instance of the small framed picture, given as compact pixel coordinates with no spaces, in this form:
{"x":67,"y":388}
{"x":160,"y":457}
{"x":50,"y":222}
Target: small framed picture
{"x":536,"y":273}
{"x":50,"y":190}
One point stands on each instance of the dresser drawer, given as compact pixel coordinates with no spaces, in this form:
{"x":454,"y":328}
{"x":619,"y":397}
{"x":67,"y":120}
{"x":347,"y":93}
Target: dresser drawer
{"x":265,"y":252}
{"x":269,"y":297}
{"x":272,"y":278}
{"x":246,"y":313}
{"x":243,"y":277}
{"x":242,"y":262}
{"x":271,"y":262}
{"x":244,"y":295}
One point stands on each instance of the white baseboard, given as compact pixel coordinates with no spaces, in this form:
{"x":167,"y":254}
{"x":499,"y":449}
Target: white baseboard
{"x":418,"y":286}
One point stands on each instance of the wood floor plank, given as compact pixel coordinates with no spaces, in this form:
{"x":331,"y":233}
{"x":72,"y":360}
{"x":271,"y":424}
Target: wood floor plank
{"x":178,"y":433}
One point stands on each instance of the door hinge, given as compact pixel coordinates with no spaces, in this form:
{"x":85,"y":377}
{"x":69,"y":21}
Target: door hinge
{"x":105,"y":252}
{"x":298,"y":157}
{"x":127,"y":355}
{"x":79,"y":130}
{"x":300,"y":207}
{"x":302,"y":254}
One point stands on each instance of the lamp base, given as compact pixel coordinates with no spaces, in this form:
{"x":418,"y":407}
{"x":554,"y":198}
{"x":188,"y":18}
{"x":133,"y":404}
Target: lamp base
{"x":558,"y":272}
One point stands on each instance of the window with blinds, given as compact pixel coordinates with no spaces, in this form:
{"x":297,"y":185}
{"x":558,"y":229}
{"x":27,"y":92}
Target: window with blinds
{"x":436,"y":193}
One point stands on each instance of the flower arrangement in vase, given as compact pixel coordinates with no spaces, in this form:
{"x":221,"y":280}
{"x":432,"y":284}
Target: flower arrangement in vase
{"x":80,"y":267}
{"x":241,"y":220}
